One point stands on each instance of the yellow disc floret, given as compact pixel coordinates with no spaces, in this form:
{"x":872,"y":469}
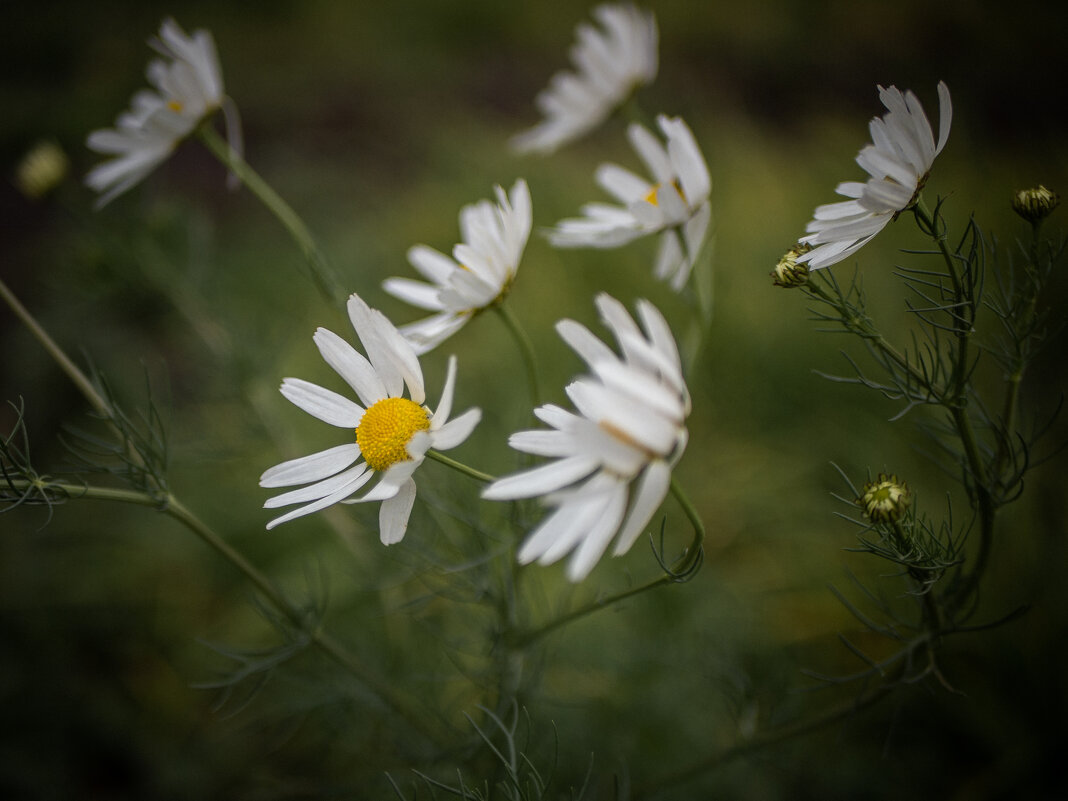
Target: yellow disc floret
{"x":387,"y":428}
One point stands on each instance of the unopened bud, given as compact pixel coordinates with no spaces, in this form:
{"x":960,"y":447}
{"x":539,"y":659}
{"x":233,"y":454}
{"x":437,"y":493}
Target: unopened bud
{"x":1035,"y":205}
{"x":41,"y":170}
{"x":885,"y":499}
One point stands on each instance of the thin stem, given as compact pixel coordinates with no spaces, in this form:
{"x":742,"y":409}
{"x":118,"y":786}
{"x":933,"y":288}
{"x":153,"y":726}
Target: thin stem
{"x":84,"y":385}
{"x":955,"y":402}
{"x":460,"y":467}
{"x":526,"y":349}
{"x":962,"y":301}
{"x":870,"y":335}
{"x":322,"y":273}
{"x":174,"y":508}
{"x":766,"y":739}
{"x":681,"y":571}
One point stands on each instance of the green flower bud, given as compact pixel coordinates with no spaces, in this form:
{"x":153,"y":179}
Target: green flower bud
{"x":1035,"y":205}
{"x":41,"y":170}
{"x":885,"y":499}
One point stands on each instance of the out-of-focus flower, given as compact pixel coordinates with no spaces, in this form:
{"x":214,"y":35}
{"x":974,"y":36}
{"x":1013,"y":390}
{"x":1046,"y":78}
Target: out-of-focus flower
{"x":610,"y":62}
{"x":485,"y":265}
{"x":675,"y":202}
{"x":392,"y":433}
{"x":788,"y":273}
{"x":885,"y":500}
{"x":41,"y":170}
{"x":898,"y":160}
{"x":188,"y":86}
{"x":630,"y":427}
{"x":1036,"y":204}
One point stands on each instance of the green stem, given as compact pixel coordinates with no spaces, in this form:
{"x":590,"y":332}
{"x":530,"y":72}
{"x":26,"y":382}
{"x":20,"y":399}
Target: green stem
{"x":766,"y":739}
{"x":684,"y":566}
{"x":852,"y":323}
{"x":526,"y":350}
{"x":84,"y":385}
{"x":174,"y":508}
{"x":955,"y":399}
{"x":962,"y":302}
{"x":460,"y":467}
{"x":324,"y":276}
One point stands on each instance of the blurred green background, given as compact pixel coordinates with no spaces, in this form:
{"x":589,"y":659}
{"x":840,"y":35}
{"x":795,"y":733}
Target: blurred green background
{"x":377,"y":122}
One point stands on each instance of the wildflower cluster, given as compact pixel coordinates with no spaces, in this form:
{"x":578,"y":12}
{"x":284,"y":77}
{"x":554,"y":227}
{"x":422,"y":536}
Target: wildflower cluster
{"x":599,"y":466}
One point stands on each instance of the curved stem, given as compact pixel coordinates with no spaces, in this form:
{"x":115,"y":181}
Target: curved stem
{"x":976,"y":478}
{"x":683,"y":569}
{"x":84,"y":385}
{"x":324,"y":276}
{"x":460,"y":467}
{"x":870,"y":335}
{"x":526,"y":350}
{"x":766,"y":739}
{"x":325,"y":642}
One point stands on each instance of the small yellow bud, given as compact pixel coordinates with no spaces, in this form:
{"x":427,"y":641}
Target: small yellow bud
{"x":885,"y":499}
{"x":788,"y":273}
{"x":1035,"y":205}
{"x":41,"y":170}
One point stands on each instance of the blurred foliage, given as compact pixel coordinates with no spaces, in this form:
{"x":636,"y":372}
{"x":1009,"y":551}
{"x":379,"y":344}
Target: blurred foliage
{"x":377,"y":121}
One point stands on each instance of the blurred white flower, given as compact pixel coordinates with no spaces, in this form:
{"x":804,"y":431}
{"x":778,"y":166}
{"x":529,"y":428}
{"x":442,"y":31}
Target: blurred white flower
{"x":188,"y":87}
{"x":611,"y":62}
{"x":898,"y":160}
{"x":630,"y":426}
{"x":675,"y":202}
{"x":485,"y":265}
{"x":392,"y":433}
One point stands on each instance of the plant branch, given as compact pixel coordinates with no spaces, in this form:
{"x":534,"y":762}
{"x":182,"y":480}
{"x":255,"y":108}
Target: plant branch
{"x":322,"y":273}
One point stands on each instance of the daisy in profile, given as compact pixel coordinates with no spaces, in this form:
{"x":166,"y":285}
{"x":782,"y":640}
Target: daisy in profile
{"x":612,"y":456}
{"x":674,"y":203}
{"x":611,"y":62}
{"x":899,"y":159}
{"x":479,"y":274}
{"x":187,"y":88}
{"x":392,"y":432}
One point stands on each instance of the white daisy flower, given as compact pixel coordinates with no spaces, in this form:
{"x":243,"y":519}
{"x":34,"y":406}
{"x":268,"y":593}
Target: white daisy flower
{"x":392,"y":433}
{"x":485,"y":266}
{"x":898,"y":160}
{"x":188,"y":87}
{"x":675,"y":202}
{"x":629,"y":426}
{"x":611,"y":62}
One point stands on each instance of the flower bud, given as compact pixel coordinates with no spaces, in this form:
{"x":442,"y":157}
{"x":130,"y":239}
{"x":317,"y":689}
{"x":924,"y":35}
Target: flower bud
{"x":41,"y":170}
{"x":1035,"y":205}
{"x":788,"y":273}
{"x":885,"y":499}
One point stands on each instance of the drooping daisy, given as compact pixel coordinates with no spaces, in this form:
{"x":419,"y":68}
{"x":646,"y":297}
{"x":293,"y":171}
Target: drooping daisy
{"x":188,"y":87}
{"x":610,"y":62}
{"x":392,"y":433}
{"x":898,"y":160}
{"x":485,"y":266}
{"x":629,"y":427}
{"x":675,"y":202}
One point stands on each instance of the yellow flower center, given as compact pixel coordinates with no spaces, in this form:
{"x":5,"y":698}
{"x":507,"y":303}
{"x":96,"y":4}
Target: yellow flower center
{"x":386,"y":429}
{"x":175,"y":106}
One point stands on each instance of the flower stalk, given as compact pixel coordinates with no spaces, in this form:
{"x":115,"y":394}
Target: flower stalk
{"x":322,"y":273}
